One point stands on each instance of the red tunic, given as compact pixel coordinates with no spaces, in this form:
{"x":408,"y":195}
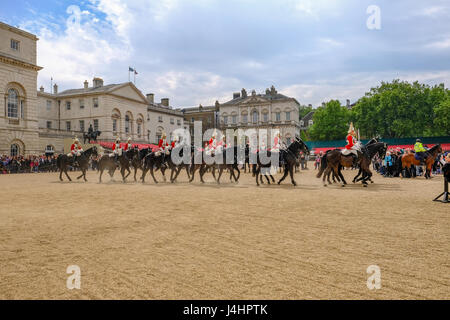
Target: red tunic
{"x":116,"y":145}
{"x":127,"y":146}
{"x":173,"y":144}
{"x":162,"y":143}
{"x":350,"y":142}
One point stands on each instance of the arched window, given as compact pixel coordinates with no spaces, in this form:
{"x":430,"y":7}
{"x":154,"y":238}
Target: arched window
{"x":15,"y":150}
{"x":127,"y":123}
{"x":13,"y":103}
{"x":255,"y":116}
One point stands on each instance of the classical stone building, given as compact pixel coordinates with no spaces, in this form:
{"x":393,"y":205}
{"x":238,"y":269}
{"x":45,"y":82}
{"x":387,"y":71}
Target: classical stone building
{"x":207,"y":115}
{"x":161,"y":117}
{"x":270,"y":110}
{"x":18,"y":82}
{"x":32,"y":122}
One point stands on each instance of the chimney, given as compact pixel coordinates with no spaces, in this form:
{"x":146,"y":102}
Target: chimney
{"x":165,"y":102}
{"x":151,"y":98}
{"x":55,"y":89}
{"x":98,"y":82}
{"x":348,"y":103}
{"x":323,"y":104}
{"x":310,"y":105}
{"x":86,"y":84}
{"x":41,"y":89}
{"x":236,"y":95}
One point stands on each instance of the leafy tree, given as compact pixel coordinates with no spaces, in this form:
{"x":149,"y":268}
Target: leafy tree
{"x":399,"y":109}
{"x":330,"y":122}
{"x":442,"y":119}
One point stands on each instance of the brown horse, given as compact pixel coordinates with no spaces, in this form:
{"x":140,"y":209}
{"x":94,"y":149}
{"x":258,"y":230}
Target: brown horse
{"x":410,"y":159}
{"x":333,"y":161}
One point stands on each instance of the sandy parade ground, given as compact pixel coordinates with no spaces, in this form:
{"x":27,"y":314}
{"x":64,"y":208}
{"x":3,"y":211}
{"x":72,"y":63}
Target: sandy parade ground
{"x":233,"y":241}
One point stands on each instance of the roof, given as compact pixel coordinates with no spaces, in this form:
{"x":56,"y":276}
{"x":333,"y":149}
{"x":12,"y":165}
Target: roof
{"x":102,"y":89}
{"x":18,"y":31}
{"x":269,"y":96}
{"x":308,"y":116}
{"x":198,"y":109}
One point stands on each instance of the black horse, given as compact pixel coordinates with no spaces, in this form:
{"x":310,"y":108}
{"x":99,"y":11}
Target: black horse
{"x":287,"y":159}
{"x":124,"y":161}
{"x":63,"y":161}
{"x":152,"y":161}
{"x":91,"y":136}
{"x":137,"y":161}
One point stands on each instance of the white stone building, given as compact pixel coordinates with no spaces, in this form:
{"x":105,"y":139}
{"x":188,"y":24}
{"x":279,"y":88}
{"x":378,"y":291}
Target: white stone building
{"x":271,"y":110}
{"x":18,"y":82}
{"x":32,"y":122}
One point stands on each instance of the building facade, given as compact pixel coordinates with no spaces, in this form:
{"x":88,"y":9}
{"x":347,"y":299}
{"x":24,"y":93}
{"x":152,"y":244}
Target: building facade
{"x":18,"y":82}
{"x":208,"y":116}
{"x":33,"y":122}
{"x":162,"y":118}
{"x":270,"y":110}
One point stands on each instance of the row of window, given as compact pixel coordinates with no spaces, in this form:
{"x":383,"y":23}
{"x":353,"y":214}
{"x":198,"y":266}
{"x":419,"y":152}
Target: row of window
{"x":14,"y":150}
{"x":127,"y":126}
{"x":80,"y":103}
{"x":310,"y":123}
{"x":172,"y":120}
{"x":255,"y":117}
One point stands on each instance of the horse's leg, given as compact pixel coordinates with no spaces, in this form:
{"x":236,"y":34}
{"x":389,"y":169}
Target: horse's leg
{"x":220,"y":174}
{"x":356,"y":177}
{"x":84,"y":174}
{"x":291,"y":171}
{"x":100,"y":178}
{"x":339,"y":173}
{"x":129,"y":172}
{"x":284,"y":175}
{"x":194,"y":168}
{"x":163,"y":171}
{"x":256,"y":173}
{"x":67,"y":175}
{"x":202,"y":171}
{"x":326,"y":171}
{"x":239,"y":173}
{"x":153,"y":176}
{"x":271,"y":177}
{"x":267,"y":178}
{"x":60,"y":173}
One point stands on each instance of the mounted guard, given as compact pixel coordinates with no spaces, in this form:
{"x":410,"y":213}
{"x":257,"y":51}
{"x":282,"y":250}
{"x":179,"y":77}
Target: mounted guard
{"x":162,"y":145}
{"x":353,"y":145}
{"x":75,"y":151}
{"x":117,"y":150}
{"x":212,"y":144}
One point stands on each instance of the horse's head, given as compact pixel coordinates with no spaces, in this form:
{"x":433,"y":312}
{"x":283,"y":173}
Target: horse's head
{"x":299,"y":145}
{"x":382,"y":151}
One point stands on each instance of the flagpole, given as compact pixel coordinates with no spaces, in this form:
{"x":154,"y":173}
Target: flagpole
{"x":128,"y":74}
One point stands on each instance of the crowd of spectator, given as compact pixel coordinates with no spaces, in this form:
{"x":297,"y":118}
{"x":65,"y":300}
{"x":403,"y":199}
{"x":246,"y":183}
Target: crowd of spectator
{"x":27,"y":164}
{"x":32,"y":164}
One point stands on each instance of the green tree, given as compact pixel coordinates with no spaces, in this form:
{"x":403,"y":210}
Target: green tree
{"x":442,"y":116}
{"x":330,"y":122}
{"x":399,"y":109}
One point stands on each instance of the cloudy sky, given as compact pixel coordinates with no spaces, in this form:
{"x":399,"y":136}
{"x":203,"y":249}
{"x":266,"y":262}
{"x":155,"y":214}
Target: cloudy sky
{"x":199,"y":51}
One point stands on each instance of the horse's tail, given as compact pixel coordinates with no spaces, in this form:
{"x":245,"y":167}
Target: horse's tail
{"x":253,"y":169}
{"x":323,"y":165}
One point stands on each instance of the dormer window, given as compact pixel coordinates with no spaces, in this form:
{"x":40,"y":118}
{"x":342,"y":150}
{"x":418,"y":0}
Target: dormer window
{"x":15,"y":45}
